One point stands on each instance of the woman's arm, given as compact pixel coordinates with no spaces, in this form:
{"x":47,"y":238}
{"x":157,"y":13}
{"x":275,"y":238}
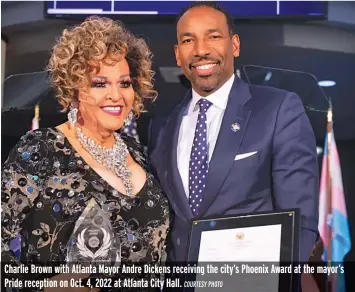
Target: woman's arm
{"x":19,"y":188}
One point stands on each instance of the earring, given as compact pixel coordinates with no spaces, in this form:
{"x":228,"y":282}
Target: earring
{"x":73,"y":113}
{"x":128,"y":119}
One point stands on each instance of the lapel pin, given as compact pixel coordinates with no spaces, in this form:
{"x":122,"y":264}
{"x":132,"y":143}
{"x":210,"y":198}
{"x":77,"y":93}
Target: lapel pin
{"x":235,"y":127}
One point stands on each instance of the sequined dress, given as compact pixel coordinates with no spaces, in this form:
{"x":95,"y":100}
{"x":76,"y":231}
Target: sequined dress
{"x":45,"y":188}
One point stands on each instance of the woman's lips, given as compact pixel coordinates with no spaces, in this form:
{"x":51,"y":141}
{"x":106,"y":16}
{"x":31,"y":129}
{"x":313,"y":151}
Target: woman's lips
{"x":112,"y":110}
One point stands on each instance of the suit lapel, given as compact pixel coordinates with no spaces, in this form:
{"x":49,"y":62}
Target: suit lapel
{"x":237,"y":113}
{"x":177,"y":194}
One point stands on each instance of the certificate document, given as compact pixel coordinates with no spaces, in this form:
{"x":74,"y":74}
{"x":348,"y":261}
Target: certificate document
{"x":246,"y":252}
{"x":256,"y":244}
{"x":247,"y":244}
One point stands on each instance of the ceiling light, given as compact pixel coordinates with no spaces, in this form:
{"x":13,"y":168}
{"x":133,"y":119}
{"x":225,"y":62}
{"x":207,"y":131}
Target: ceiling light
{"x":326,"y":83}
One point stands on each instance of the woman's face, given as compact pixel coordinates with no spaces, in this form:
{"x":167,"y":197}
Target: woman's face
{"x":109,"y":99}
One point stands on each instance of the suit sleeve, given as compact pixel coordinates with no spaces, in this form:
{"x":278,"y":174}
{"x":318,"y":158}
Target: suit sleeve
{"x":156,"y":126}
{"x":151,"y":137}
{"x":155,"y":132}
{"x":295,"y":169}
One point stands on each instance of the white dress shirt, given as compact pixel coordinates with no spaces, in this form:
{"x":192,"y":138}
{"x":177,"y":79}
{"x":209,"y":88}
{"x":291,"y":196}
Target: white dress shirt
{"x":215,"y":114}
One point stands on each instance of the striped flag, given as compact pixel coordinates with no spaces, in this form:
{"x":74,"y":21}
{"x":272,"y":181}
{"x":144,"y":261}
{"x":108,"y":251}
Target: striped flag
{"x":333,"y":220}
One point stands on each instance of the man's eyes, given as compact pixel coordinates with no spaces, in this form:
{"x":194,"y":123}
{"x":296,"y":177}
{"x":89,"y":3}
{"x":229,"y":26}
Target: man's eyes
{"x":189,"y":40}
{"x":186,"y":41}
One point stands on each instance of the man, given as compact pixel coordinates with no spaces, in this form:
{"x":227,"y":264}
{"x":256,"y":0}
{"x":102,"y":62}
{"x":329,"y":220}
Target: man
{"x":229,"y":147}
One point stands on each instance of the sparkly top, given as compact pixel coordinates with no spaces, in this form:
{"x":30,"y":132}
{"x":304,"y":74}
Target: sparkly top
{"x":45,"y":187}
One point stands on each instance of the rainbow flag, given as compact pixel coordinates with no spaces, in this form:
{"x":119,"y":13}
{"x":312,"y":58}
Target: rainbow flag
{"x":332,"y":211}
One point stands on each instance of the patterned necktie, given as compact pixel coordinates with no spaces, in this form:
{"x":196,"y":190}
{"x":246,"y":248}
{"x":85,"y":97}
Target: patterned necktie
{"x":199,"y":159}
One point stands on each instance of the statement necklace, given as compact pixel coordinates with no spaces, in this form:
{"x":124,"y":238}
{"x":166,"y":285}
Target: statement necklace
{"x":115,"y":158}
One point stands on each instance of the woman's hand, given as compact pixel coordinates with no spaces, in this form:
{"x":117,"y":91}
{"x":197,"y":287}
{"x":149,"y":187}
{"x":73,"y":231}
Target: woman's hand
{"x":73,"y":280}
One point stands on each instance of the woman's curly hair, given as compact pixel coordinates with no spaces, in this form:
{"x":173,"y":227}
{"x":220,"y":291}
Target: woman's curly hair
{"x":79,"y":50}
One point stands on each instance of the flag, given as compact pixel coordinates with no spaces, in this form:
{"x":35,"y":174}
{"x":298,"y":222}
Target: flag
{"x":35,"y":120}
{"x":333,"y":220}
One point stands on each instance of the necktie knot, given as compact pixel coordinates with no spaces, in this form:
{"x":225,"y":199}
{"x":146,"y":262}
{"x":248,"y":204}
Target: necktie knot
{"x":204,"y":104}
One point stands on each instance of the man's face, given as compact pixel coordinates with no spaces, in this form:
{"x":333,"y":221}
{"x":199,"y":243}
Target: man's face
{"x":205,"y":49}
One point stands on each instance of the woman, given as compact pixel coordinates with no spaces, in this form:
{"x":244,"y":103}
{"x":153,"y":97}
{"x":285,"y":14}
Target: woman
{"x":102,"y":73}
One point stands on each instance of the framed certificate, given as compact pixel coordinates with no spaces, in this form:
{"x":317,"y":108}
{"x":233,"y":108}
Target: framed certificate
{"x":246,"y":252}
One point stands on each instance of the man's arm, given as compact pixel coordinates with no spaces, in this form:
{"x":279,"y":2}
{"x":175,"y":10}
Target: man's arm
{"x":295,"y":169}
{"x":155,"y":130}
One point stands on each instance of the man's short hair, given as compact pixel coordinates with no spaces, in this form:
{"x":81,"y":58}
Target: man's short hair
{"x":213,"y":5}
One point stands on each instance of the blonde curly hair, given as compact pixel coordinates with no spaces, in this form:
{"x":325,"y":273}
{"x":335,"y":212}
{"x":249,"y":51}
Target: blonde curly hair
{"x":79,"y":50}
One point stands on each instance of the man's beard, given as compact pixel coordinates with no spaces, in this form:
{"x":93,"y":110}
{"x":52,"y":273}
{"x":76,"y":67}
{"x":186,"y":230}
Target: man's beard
{"x":207,"y":84}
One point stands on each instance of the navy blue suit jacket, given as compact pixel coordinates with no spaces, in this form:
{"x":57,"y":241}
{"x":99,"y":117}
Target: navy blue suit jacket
{"x":283,"y":174}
